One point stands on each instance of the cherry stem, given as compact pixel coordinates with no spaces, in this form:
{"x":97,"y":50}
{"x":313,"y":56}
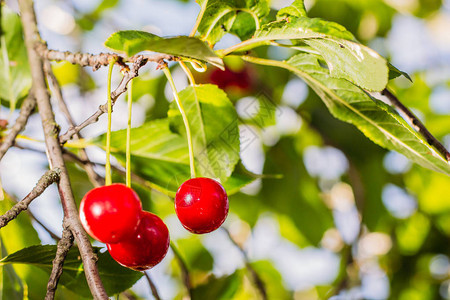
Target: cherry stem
{"x":108,"y":180}
{"x":128,"y":150}
{"x":188,"y":73}
{"x":185,"y":120}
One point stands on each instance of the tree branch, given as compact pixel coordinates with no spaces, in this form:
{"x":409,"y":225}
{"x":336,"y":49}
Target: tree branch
{"x":62,"y":249}
{"x":152,"y":287}
{"x":26,"y":109}
{"x":122,"y":88}
{"x":54,"y":150}
{"x":416,"y":123}
{"x":95,"y":60}
{"x":257,"y":280}
{"x":95,"y":179}
{"x":44,"y":182}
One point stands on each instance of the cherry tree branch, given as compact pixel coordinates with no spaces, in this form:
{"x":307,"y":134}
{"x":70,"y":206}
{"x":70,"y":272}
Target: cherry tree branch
{"x":26,"y":109}
{"x":257,"y":280}
{"x":416,"y":123}
{"x":96,"y":60}
{"x":64,"y":245}
{"x":121,"y":88}
{"x":44,"y":182}
{"x":54,"y":150}
{"x":95,"y":179}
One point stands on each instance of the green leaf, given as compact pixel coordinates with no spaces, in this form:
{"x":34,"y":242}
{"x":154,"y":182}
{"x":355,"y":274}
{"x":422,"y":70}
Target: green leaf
{"x":131,"y":42}
{"x":222,"y":288}
{"x":11,"y":285}
{"x":345,"y":58}
{"x":295,"y":29}
{"x":296,"y":9}
{"x":394,"y":73}
{"x":115,"y":278}
{"x":162,"y":157}
{"x":18,"y":234}
{"x":239,"y":17}
{"x":196,"y":256}
{"x":377,"y":120}
{"x":354,"y":62}
{"x":15,"y":76}
{"x":213,"y":122}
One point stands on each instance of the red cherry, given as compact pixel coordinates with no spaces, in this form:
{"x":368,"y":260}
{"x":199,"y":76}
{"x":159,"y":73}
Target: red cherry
{"x":146,"y":247}
{"x":201,"y":205}
{"x":110,"y":213}
{"x":230,"y":79}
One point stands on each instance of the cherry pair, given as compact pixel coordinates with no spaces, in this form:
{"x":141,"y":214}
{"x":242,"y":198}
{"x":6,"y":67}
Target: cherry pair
{"x":135,"y":238}
{"x":138,"y":239}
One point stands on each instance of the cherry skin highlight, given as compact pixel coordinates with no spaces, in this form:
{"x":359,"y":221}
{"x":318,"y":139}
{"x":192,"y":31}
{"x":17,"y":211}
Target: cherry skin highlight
{"x":201,"y":205}
{"x":110,"y":213}
{"x":146,"y":247}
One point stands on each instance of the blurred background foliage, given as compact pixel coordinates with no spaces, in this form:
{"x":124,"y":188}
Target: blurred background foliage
{"x":334,"y":215}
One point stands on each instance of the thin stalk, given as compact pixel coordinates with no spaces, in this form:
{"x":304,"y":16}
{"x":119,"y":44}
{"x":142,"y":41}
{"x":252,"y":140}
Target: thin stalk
{"x":128,"y":150}
{"x":108,"y":180}
{"x":188,"y":73}
{"x":185,"y":120}
{"x":239,"y":46}
{"x":199,"y":18}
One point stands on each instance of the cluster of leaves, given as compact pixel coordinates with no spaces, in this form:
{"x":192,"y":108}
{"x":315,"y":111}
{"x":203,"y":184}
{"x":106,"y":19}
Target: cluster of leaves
{"x":342,"y":72}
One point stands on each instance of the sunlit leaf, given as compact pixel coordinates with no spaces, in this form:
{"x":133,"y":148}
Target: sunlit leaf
{"x":345,"y":58}
{"x":131,"y":42}
{"x":214,"y":128}
{"x":15,"y":76}
{"x":377,"y":120}
{"x":296,"y":9}
{"x":239,"y":17}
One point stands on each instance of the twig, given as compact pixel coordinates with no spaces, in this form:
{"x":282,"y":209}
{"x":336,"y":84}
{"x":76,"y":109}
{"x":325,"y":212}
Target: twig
{"x":416,"y":123}
{"x":257,"y":280}
{"x":62,"y":249}
{"x":54,"y":150}
{"x":95,"y":179}
{"x":27,"y":108}
{"x":152,"y":287}
{"x":122,"y":88}
{"x":95,"y":60}
{"x":45,"y":181}
{"x":184,"y":269}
